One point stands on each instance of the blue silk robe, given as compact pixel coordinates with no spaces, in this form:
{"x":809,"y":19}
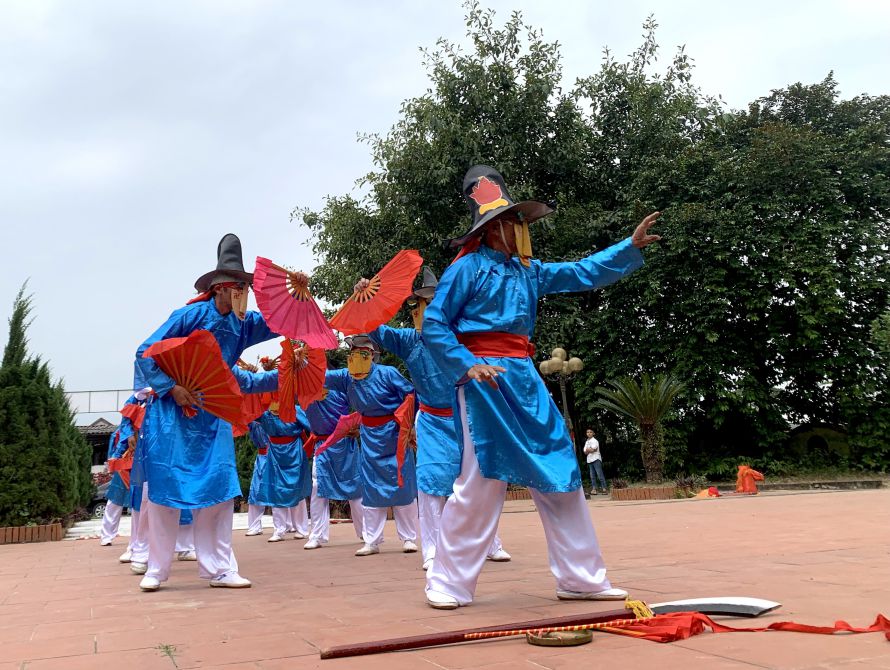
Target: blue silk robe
{"x":379,"y":394}
{"x":517,"y":430}
{"x":260,"y":441}
{"x":190,"y":463}
{"x":117,"y":492}
{"x":287,"y":474}
{"x":438,"y":449}
{"x":337,"y":467}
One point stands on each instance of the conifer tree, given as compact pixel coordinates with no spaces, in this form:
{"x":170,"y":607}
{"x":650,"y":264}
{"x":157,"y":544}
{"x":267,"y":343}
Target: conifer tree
{"x":44,"y":460}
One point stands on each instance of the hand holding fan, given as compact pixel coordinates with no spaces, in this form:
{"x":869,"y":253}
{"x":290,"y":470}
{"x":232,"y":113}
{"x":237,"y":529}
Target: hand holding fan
{"x":301,"y":372}
{"x":288,"y":307}
{"x":196,"y":363}
{"x":373,"y":306}
{"x":347,"y":426}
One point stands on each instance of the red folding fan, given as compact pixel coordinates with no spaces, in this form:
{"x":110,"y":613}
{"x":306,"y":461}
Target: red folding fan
{"x":347,"y":426}
{"x":288,"y":307}
{"x":301,"y":372}
{"x":196,"y":363}
{"x":135,"y":413}
{"x":364,"y":310}
{"x":407,"y":439}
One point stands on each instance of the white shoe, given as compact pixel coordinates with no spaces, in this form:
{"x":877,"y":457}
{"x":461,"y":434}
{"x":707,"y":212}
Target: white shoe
{"x":105,"y":543}
{"x":275,"y":538}
{"x":500,"y":556}
{"x":150,"y":584}
{"x":300,"y":536}
{"x":427,"y":564}
{"x":367,"y":550}
{"x":251,"y":533}
{"x":312,"y":544}
{"x":608,"y":594}
{"x":139,"y":568}
{"x":231,"y":581}
{"x":441,"y":601}
{"x":125,"y":557}
{"x":409,"y":547}
{"x":186,"y":555}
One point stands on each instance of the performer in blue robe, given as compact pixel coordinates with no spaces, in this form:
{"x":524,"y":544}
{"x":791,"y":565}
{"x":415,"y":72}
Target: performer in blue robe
{"x":116,"y":494}
{"x":287,"y":478}
{"x":438,"y":447}
{"x":477,"y":329}
{"x":254,"y":509}
{"x":376,"y":391}
{"x":335,"y":470}
{"x":190,"y":462}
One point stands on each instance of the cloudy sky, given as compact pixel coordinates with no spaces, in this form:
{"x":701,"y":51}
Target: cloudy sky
{"x":134,"y":135}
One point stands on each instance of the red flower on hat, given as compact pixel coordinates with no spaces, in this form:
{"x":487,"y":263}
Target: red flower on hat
{"x":488,"y":195}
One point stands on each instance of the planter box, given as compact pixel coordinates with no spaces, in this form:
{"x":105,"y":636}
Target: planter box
{"x":20,"y":534}
{"x":518,"y":494}
{"x":645,"y":493}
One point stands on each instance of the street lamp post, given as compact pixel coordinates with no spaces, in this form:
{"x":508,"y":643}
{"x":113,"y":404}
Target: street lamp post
{"x":562,"y":368}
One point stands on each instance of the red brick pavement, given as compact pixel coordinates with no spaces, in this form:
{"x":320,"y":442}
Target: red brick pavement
{"x":826,"y":556}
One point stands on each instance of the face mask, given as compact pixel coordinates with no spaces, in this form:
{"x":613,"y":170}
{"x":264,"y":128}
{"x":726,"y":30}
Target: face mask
{"x":239,"y":302}
{"x":417,"y":310}
{"x":358,"y":362}
{"x":523,"y":243}
{"x":273,"y":407}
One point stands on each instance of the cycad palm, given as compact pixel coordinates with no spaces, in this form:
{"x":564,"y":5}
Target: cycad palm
{"x":647,"y":404}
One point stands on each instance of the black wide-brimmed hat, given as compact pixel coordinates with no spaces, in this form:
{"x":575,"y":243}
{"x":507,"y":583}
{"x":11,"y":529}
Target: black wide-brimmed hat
{"x":229,"y":266}
{"x":428,"y":288}
{"x":488,"y":198}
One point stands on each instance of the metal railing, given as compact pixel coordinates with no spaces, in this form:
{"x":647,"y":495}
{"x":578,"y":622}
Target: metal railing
{"x":98,"y":402}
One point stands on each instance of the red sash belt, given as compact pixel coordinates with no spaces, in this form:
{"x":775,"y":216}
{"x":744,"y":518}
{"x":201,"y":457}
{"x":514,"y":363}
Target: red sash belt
{"x":499,"y":345}
{"x":375,"y":421}
{"x":436,"y":411}
{"x":262,"y":452}
{"x":282,"y":439}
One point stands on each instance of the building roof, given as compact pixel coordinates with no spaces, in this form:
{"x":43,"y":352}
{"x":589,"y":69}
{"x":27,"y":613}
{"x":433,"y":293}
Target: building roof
{"x":99,"y":427}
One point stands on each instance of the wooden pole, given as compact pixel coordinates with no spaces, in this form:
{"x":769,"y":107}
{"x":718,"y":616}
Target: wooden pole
{"x":453,"y":637}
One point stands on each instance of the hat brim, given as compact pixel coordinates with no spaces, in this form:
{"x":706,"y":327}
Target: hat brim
{"x":532,"y":210}
{"x":425,"y":292}
{"x":207,"y":280}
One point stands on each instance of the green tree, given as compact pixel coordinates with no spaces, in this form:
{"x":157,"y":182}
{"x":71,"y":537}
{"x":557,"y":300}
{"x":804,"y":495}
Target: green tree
{"x":44,"y":460}
{"x":646,"y":403}
{"x":774,"y":263}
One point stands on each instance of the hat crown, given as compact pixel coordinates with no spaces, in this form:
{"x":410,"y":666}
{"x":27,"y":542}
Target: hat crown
{"x":228,"y":253}
{"x":485,"y":190}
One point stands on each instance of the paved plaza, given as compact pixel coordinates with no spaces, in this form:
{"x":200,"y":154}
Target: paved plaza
{"x":825,"y":556}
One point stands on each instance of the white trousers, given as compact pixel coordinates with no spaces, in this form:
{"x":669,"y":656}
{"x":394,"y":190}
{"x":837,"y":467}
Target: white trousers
{"x":374,"y":521}
{"x":139,"y":525}
{"x":213,"y":540}
{"x":290,"y":519}
{"x":320,"y":510}
{"x":469,"y":524}
{"x":430,"y":511}
{"x":110,"y":522}
{"x":255,"y":518}
{"x":185,"y":538}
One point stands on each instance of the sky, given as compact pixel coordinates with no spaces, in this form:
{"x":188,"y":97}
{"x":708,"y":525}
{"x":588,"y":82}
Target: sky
{"x":133,"y":136}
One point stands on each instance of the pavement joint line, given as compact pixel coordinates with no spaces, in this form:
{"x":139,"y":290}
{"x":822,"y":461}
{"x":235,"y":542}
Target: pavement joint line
{"x":726,"y":658}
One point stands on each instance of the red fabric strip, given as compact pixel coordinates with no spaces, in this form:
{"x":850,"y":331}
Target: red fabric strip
{"x":262,"y":452}
{"x":682,"y":625}
{"x":499,"y":345}
{"x":470,"y":247}
{"x":437,"y":411}
{"x":375,"y":421}
{"x":282,"y":439}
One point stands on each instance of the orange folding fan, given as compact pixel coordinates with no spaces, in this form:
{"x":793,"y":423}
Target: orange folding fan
{"x":288,"y":307}
{"x":407,"y":440}
{"x":364,"y":310}
{"x":301,"y":372}
{"x":347,"y":426}
{"x":135,"y":413}
{"x":196,"y":363}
